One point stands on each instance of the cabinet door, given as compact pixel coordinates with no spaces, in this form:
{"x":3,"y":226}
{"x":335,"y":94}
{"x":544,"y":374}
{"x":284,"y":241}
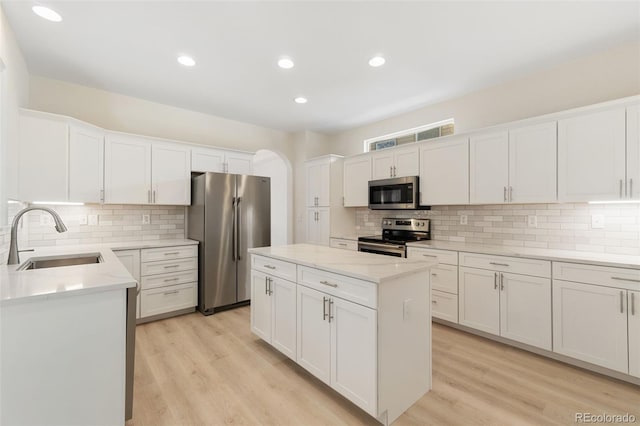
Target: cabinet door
{"x":478,"y":300}
{"x":382,"y":164}
{"x":590,"y":324}
{"x":444,"y":172}
{"x":207,"y":160}
{"x":525,"y":309}
{"x":283,"y":316}
{"x":489,"y":168}
{"x":357,"y":174}
{"x":86,"y":164}
{"x":406,"y":161}
{"x":313,"y":341}
{"x":261,"y":309}
{"x":127,"y":173}
{"x":353,"y":353}
{"x":633,"y":152}
{"x":318,"y":182}
{"x":312,"y":226}
{"x":171,"y":175}
{"x":591,"y":156}
{"x":239,"y":163}
{"x":131,"y":260}
{"x":43,"y":159}
{"x":323,"y":236}
{"x":532,"y":164}
{"x":633,"y":314}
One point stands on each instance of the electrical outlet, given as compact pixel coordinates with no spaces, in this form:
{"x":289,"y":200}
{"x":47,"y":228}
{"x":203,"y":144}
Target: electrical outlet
{"x":146,"y":219}
{"x":82,"y":219}
{"x":46,"y":220}
{"x":93,"y":219}
{"x":597,"y":221}
{"x":532,"y":221}
{"x":464,"y":219}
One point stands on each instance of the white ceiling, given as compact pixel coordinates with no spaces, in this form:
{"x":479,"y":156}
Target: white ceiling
{"x":434,"y":51}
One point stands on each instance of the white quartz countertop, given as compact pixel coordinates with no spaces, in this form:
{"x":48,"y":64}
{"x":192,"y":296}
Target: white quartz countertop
{"x":110,"y":274}
{"x":602,"y":259}
{"x":360,"y":265}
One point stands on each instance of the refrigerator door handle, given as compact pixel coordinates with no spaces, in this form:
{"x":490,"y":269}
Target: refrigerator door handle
{"x":234,"y":230}
{"x":239,"y":228}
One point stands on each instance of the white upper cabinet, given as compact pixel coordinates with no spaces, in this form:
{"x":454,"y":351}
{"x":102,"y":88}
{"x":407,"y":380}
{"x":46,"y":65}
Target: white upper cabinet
{"x":444,"y":172}
{"x":171,"y":174}
{"x":591,"y":157}
{"x":127,"y":174}
{"x":395,"y":162}
{"x":43,"y":157}
{"x":489,"y":168}
{"x":633,"y":152}
{"x":86,"y":164}
{"x":318,"y":182}
{"x":357,"y":174}
{"x":221,"y":161}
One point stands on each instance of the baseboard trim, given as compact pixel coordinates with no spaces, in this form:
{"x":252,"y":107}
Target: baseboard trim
{"x":165,"y":315}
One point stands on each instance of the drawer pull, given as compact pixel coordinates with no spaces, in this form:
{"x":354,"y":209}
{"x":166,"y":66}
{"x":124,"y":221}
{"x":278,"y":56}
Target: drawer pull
{"x":329,"y":284}
{"x":269,"y":267}
{"x":433,"y":274}
{"x":171,"y":253}
{"x":171,"y":279}
{"x":495,"y":280}
{"x":621,"y":302}
{"x":429,"y":255}
{"x":166,"y":293}
{"x":498,"y":264}
{"x":171,"y":266}
{"x":633,"y":304}
{"x":434,"y":302}
{"x":625,"y":279}
{"x":342,"y":244}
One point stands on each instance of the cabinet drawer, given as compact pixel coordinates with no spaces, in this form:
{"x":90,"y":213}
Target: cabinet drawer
{"x":351,"y":289}
{"x":165,"y":266}
{"x":516,"y":265}
{"x":275,"y":267}
{"x":169,"y":253}
{"x":163,"y":280}
{"x":344,"y":244}
{"x":167,"y":299}
{"x":600,"y":275}
{"x":441,"y":256}
{"x":444,"y":278}
{"x":444,"y":306}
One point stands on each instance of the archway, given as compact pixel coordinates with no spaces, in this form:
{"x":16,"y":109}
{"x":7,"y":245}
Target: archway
{"x":276,"y":166}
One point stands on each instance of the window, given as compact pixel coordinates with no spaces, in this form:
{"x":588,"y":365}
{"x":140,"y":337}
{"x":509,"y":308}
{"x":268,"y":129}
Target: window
{"x":416,"y":134}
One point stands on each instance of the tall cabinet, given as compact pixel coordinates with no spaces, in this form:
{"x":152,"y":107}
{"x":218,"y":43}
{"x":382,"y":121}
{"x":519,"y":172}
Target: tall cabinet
{"x":325,"y":211}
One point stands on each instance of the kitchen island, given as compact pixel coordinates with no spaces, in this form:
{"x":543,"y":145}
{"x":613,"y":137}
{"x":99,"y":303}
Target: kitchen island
{"x":359,"y":322}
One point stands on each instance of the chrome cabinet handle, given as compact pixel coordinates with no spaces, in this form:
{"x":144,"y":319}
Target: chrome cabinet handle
{"x":171,"y":266}
{"x":630,"y":187}
{"x":170,"y":253}
{"x":154,"y":196}
{"x":430,"y":255}
{"x":620,"y":188}
{"x":239,"y":229}
{"x":501,"y":282}
{"x":342,"y":244}
{"x":433,"y":274}
{"x":511,"y":193}
{"x":434,"y":302}
{"x":504,"y":194}
{"x":234,"y":230}
{"x":102,"y":195}
{"x":498,"y":264}
{"x":270,"y":288}
{"x":633,"y":303}
{"x":324,"y":308}
{"x":495,"y":280}
{"x":394,"y":171}
{"x":168,"y":280}
{"x":625,"y":279}
{"x":166,"y":293}
{"x":266,"y":289}
{"x":269,"y":267}
{"x":329,"y":284}
{"x":330,"y":316}
{"x":621,"y":302}
{"x":390,"y":171}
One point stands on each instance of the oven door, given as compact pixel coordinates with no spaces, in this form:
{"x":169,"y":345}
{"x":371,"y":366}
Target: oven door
{"x":393,"y":194}
{"x":381,"y":248}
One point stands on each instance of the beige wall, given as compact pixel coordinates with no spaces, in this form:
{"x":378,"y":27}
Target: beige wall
{"x":611,"y":74}
{"x":14,"y":89}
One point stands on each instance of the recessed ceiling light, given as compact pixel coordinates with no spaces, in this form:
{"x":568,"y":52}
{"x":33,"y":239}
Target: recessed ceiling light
{"x":46,"y":13}
{"x":285,"y":63}
{"x":187,"y":61}
{"x":377,"y":61}
{"x":300,"y":100}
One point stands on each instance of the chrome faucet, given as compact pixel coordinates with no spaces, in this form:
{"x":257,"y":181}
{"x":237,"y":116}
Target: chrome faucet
{"x":14,"y":257}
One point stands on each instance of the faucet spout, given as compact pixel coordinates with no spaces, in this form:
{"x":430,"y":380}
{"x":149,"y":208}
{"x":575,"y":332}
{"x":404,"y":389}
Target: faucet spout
{"x":14,"y":257}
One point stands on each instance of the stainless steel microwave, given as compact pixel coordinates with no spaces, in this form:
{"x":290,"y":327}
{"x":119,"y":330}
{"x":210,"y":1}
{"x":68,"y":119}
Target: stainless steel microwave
{"x":395,"y":194}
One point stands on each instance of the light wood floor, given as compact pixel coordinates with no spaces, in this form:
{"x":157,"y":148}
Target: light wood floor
{"x":212,"y":371}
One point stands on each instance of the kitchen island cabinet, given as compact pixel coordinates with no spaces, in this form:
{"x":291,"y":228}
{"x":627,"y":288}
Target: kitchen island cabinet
{"x":362,"y":322}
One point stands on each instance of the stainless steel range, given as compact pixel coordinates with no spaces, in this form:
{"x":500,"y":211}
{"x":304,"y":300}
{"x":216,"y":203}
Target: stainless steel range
{"x":396,"y":233}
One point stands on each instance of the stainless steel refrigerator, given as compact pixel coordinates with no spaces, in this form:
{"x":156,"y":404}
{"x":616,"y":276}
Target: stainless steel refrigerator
{"x":228,"y":215}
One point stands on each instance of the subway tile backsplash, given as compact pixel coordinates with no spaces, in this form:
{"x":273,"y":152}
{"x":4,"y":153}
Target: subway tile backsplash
{"x":559,"y":226}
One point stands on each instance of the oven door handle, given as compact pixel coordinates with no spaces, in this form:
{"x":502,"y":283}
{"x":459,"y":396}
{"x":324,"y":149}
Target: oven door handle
{"x":387,"y":246}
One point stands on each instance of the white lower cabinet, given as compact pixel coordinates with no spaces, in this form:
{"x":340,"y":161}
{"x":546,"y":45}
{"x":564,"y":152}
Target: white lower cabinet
{"x":479,"y":301}
{"x":131,"y":260}
{"x":167,"y":299}
{"x":444,"y":305}
{"x":634,"y":332}
{"x":273,"y":311}
{"x":314,"y":333}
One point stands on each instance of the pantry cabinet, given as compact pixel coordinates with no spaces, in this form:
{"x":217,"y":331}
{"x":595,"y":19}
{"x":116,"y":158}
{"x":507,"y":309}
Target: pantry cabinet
{"x":395,"y":162}
{"x":357,"y":174}
{"x":444,"y":172}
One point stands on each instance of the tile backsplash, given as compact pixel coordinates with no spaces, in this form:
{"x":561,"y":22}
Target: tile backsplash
{"x":114,"y":223}
{"x":559,"y":226}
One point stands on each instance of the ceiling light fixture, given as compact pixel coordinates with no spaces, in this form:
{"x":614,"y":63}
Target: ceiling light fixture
{"x":46,"y":13}
{"x":377,"y":61}
{"x":187,"y":61}
{"x":286,"y":63}
{"x":300,"y":100}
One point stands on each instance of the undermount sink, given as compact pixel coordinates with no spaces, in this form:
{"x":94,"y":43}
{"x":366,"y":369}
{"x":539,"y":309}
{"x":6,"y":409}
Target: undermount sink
{"x":58,"y":261}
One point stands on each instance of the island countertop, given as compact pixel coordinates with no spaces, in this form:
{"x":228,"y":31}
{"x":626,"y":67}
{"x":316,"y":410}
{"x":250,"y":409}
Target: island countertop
{"x":360,"y":265}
